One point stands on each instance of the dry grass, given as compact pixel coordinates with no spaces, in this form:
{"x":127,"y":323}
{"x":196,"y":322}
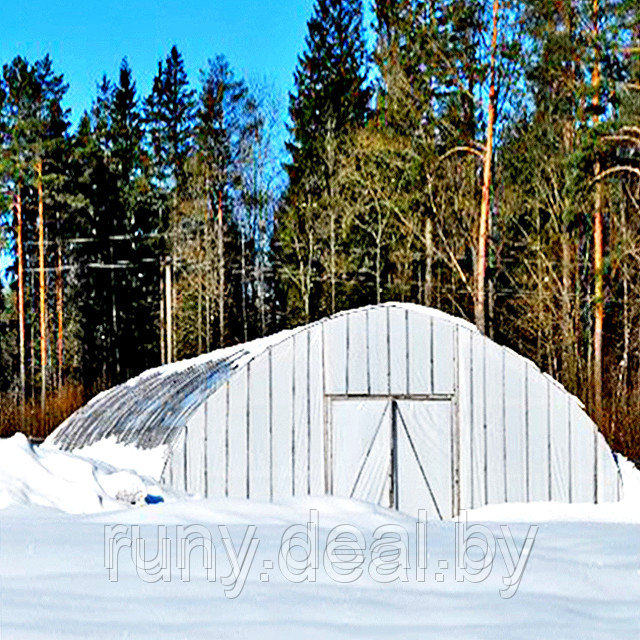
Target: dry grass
{"x":623,"y":427}
{"x":60,"y":404}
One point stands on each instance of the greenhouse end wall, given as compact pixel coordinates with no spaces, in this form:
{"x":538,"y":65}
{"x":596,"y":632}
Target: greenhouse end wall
{"x":394,"y":404}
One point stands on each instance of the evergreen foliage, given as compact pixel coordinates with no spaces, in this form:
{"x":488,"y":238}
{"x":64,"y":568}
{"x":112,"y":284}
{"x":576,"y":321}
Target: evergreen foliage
{"x":331,"y":90}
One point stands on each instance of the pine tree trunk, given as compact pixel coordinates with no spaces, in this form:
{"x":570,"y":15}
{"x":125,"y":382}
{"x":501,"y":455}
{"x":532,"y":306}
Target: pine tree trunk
{"x":306,"y":277}
{"x":378,"y":273}
{"x":243,"y":285}
{"x":163,"y":348}
{"x":598,"y":299}
{"x":221,"y":265}
{"x":483,"y":232}
{"x":566,"y":365}
{"x":199,"y":320}
{"x":168,"y":291}
{"x":43,"y":299}
{"x":207,"y":323}
{"x":625,"y":304}
{"x":330,"y":161}
{"x":21,"y":314}
{"x":208,"y":280}
{"x":623,"y":376}
{"x":32,"y":335}
{"x":60,"y":312}
{"x":597,"y":247}
{"x":428,"y":275}
{"x":540,"y":334}
{"x":114,"y":318}
{"x":332,"y":232}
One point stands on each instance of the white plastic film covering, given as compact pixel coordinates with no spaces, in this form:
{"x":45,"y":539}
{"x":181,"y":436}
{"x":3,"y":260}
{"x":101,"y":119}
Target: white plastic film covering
{"x":317,"y":417}
{"x":282,"y":418}
{"x":538,"y":431}
{"x":559,"y":442}
{"x":466,"y":400}
{"x":361,"y":449}
{"x":237,"y":435}
{"x":175,"y":470}
{"x":478,"y":435}
{"x":301,"y":421}
{"x":216,"y":438}
{"x":378,"y":350}
{"x":419,"y":329}
{"x":259,"y":428}
{"x":608,"y":488}
{"x":335,"y":345}
{"x":443,"y":345}
{"x":398,"y":350}
{"x":582,"y":455}
{"x":425,"y":470}
{"x":495,"y":415}
{"x":515,"y":426}
{"x":357,"y":371}
{"x":196,"y":451}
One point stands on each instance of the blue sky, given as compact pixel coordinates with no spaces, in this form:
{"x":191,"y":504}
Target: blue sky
{"x":87,"y":39}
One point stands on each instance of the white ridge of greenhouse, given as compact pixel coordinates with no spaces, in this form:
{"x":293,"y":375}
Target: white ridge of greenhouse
{"x":394,"y":404}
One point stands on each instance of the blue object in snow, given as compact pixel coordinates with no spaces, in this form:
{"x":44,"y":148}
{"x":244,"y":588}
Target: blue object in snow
{"x":151,"y":499}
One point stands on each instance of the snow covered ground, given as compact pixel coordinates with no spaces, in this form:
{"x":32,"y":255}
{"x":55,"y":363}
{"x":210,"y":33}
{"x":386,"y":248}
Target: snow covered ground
{"x":47,"y":477}
{"x":582,"y":578}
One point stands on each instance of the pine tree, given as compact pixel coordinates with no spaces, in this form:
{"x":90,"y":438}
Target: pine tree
{"x":331,"y":98}
{"x":331,"y":87}
{"x":220,"y":132}
{"x":12,"y":168}
{"x":169,"y":112}
{"x":117,"y":284}
{"x":137,"y":287}
{"x":169,"y":120}
{"x":35,"y":123}
{"x":126,"y":126}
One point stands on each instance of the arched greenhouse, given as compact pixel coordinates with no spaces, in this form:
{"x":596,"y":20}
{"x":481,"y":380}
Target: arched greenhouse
{"x":395,"y":404}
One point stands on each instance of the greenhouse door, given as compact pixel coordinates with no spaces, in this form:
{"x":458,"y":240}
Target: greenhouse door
{"x":393,"y":452}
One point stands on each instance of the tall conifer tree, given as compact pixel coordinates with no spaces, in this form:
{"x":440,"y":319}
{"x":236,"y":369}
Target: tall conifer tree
{"x":331,"y":89}
{"x":331,"y":98}
{"x":219,"y":134}
{"x":169,"y":114}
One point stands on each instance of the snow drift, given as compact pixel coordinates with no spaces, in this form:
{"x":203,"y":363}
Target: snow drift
{"x":31,"y":475}
{"x":581,"y":581}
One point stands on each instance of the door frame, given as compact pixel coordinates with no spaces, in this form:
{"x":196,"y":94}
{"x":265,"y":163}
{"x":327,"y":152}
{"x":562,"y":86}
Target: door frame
{"x":393,"y":398}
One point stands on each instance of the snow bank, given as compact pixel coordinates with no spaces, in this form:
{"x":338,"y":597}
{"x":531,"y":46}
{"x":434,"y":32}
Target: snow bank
{"x":147,"y":462}
{"x":31,"y":475}
{"x":581,"y":580}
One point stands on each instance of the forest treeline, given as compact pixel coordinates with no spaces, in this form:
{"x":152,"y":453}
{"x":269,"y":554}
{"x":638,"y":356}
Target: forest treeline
{"x":479,"y":156}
